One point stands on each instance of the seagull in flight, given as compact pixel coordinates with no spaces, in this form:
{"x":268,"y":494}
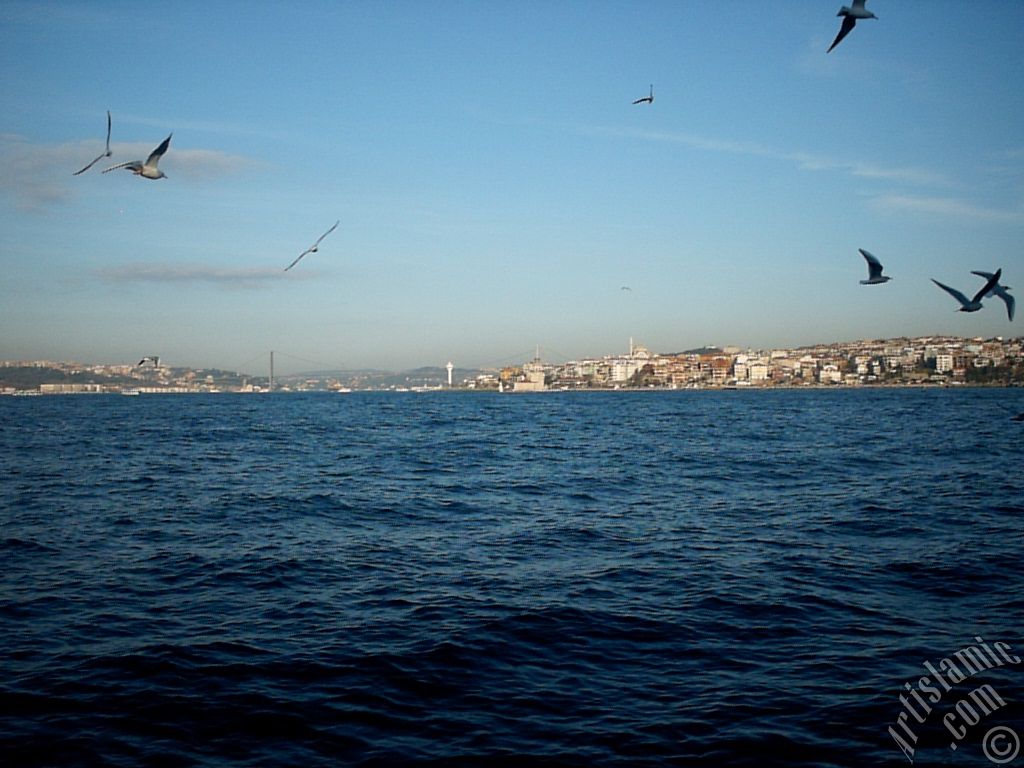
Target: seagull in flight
{"x":148,"y":169}
{"x":971,"y":305}
{"x":152,"y":359}
{"x":108,"y":153}
{"x":874,"y":270}
{"x":646,"y":99}
{"x":1001,"y":292}
{"x":850,"y":16}
{"x":314,"y":247}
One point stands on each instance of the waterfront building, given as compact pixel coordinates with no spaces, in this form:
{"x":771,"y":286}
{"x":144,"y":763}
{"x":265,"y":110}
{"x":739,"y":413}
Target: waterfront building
{"x":532,"y":379}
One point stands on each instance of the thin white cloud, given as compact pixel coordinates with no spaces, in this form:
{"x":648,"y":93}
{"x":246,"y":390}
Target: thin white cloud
{"x":200,"y":164}
{"x":39,"y":176}
{"x":802,"y":160}
{"x":907,"y":175}
{"x":193,"y":164}
{"x":949,"y":207}
{"x":239,"y":278}
{"x":28,"y":172}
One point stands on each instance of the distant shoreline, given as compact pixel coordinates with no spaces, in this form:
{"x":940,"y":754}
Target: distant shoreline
{"x":552,"y":391}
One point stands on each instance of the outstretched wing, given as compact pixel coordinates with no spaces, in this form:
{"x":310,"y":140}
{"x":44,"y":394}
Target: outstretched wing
{"x":844,"y":30}
{"x":1010,"y":303}
{"x":325,"y":234}
{"x":989,"y":284}
{"x":953,"y":292}
{"x":157,"y":153}
{"x":106,"y":153}
{"x":90,"y":165}
{"x":135,"y":165}
{"x":874,"y":265}
{"x":298,"y":259}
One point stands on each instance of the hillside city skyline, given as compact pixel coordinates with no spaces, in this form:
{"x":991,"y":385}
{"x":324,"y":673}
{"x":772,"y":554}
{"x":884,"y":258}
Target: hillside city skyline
{"x":937,"y":359}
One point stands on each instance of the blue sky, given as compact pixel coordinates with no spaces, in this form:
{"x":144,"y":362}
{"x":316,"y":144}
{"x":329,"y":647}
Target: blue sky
{"x":495,"y":186}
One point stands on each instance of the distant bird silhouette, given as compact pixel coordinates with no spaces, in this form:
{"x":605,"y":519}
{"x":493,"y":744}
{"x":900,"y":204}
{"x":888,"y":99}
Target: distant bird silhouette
{"x":1001,"y":292}
{"x":646,"y":99}
{"x":152,"y":359}
{"x":107,"y":153}
{"x":147,"y":169}
{"x":626,"y":288}
{"x":874,"y":270}
{"x":314,"y":247}
{"x":850,"y":16}
{"x":971,"y":305}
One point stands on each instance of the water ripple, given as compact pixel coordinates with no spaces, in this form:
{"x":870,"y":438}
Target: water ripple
{"x":729,"y":578}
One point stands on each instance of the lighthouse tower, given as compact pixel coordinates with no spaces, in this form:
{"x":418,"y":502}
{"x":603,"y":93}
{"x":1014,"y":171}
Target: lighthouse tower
{"x":450,"y":368}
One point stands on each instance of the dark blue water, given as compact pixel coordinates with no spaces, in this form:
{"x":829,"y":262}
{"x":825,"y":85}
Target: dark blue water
{"x":592,"y":579}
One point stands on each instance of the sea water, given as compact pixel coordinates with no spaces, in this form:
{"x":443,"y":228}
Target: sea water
{"x":594,"y":579}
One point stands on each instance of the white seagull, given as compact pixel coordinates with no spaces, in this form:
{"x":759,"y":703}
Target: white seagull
{"x":107,"y":153}
{"x":850,"y":16}
{"x":971,"y":305}
{"x":1000,"y":291}
{"x":147,"y":169}
{"x":874,"y":270}
{"x":154,"y":359}
{"x":314,"y":247}
{"x":646,"y":99}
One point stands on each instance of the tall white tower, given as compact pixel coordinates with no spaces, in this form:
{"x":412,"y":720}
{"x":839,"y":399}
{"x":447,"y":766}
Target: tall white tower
{"x":450,"y":368}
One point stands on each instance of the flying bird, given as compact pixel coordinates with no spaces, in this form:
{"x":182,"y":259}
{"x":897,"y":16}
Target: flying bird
{"x":147,"y":169}
{"x":971,"y":305}
{"x":314,"y":247}
{"x":1001,"y":292}
{"x":107,"y":153}
{"x":155,"y":360}
{"x":850,"y":16}
{"x":875,"y":276}
{"x":646,"y":99}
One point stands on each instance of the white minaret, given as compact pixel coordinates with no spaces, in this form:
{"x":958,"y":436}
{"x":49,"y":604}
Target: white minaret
{"x":450,"y":368}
